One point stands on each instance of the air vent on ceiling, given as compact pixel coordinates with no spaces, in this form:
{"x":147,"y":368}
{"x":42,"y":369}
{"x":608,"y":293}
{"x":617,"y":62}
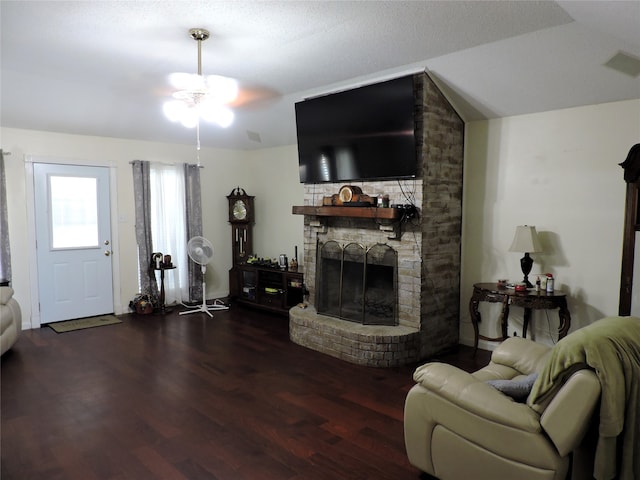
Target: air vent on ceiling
{"x":254,"y":136}
{"x":625,"y":63}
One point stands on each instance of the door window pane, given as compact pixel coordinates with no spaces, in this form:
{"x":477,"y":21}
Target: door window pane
{"x":74,"y":212}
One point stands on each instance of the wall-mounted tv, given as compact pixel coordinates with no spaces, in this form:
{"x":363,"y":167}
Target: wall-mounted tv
{"x":366,"y":133}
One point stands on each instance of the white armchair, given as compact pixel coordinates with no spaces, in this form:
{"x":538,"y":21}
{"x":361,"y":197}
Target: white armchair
{"x":457,"y":426}
{"x":10,"y":319}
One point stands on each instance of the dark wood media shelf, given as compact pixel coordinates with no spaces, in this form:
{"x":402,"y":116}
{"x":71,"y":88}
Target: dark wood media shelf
{"x":353,"y":212}
{"x":266,"y":288}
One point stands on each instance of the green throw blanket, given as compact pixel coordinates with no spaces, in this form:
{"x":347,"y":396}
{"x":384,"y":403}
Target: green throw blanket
{"x":611,"y":347}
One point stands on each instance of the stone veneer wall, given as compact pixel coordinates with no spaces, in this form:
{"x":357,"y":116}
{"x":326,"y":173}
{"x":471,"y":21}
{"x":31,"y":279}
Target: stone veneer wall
{"x":442,"y":164}
{"x":428,"y":249}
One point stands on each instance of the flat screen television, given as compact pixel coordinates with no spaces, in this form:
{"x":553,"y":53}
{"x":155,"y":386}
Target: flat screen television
{"x":367,"y":133}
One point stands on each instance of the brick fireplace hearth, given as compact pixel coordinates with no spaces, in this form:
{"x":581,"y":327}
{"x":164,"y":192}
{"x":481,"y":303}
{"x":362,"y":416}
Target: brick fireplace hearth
{"x":428,"y":250}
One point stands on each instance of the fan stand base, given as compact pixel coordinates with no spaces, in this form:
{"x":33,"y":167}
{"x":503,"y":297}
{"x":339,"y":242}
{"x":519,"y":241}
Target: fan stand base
{"x":205,"y":308}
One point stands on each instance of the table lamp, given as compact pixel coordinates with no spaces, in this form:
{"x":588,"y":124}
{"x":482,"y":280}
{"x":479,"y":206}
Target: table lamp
{"x":526,"y":241}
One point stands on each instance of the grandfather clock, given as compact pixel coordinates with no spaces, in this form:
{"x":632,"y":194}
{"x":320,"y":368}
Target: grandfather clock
{"x":241,"y":217}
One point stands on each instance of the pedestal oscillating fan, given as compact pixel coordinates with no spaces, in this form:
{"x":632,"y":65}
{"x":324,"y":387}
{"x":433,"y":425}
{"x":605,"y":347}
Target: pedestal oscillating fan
{"x":200,"y":250}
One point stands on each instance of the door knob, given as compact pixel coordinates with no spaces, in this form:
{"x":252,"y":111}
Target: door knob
{"x":107,"y":253}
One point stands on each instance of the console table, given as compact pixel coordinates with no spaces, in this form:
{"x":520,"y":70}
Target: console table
{"x":529,"y":300}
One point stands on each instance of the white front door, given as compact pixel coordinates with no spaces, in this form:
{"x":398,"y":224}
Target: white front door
{"x":73,"y":236}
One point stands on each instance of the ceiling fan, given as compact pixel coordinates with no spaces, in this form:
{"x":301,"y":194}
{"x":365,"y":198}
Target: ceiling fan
{"x":207,"y":97}
{"x":201,"y":97}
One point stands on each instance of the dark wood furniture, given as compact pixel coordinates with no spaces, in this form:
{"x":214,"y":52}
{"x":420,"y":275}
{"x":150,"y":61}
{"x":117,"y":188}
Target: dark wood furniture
{"x":387,"y":217}
{"x":267,"y":288}
{"x":352,"y":212}
{"x":241,"y":218}
{"x":162,"y":269}
{"x":529,"y":300}
{"x":631,"y":168}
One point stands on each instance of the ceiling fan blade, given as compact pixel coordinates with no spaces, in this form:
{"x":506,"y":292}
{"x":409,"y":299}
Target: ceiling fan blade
{"x":216,"y":112}
{"x":254,"y":97}
{"x":223,"y":89}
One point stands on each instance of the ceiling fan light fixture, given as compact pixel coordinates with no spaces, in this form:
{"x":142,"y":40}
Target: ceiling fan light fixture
{"x":224,"y":89}
{"x":219,"y":114}
{"x":201,"y":97}
{"x":190,"y":118}
{"x":186,"y":81}
{"x":173,"y":110}
{"x":178,"y":111}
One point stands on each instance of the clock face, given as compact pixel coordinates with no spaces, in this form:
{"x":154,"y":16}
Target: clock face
{"x":345,"y":194}
{"x":349,"y":193}
{"x":239,"y":210}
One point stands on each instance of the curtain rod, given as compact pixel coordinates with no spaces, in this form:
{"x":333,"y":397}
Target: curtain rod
{"x":166,"y":163}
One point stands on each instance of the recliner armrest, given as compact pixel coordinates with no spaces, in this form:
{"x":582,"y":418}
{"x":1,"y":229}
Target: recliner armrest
{"x":565,"y":418}
{"x":476,"y":396}
{"x":5,"y":295}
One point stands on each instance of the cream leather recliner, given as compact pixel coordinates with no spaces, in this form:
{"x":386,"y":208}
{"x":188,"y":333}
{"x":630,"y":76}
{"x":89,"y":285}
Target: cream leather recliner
{"x":457,"y":426}
{"x":10,"y":319}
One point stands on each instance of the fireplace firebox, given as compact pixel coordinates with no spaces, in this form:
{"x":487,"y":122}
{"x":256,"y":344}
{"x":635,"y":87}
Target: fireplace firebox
{"x":357,"y":283}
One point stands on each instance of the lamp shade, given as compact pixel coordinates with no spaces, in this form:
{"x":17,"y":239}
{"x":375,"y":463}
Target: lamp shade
{"x":526,"y":240}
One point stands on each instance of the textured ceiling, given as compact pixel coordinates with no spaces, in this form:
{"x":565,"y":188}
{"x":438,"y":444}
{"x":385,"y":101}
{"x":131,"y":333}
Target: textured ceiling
{"x":101,"y":67}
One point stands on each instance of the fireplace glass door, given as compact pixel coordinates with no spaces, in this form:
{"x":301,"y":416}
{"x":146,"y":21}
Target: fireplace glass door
{"x":357,"y":283}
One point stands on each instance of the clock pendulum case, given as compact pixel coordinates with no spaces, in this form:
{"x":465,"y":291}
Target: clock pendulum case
{"x":241,"y":216}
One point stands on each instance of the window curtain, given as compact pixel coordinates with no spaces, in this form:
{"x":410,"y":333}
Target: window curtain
{"x":168,"y":213}
{"x":5,"y":250}
{"x":168,"y":226}
{"x":193,"y":217}
{"x":142,"y":199}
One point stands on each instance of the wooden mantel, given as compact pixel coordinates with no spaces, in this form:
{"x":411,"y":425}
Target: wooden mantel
{"x":353,"y":212}
{"x":391,"y":216}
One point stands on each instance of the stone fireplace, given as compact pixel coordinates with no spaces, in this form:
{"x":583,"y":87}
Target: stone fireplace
{"x":426,"y":253}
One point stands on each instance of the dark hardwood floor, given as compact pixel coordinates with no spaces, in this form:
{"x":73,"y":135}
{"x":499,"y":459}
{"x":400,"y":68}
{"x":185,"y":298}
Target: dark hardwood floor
{"x":190,"y":397}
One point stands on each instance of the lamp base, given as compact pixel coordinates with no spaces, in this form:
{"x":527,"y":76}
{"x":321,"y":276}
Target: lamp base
{"x":526,"y":263}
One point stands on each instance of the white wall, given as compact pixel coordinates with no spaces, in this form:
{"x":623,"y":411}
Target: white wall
{"x":275,"y":182}
{"x":558,"y":171}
